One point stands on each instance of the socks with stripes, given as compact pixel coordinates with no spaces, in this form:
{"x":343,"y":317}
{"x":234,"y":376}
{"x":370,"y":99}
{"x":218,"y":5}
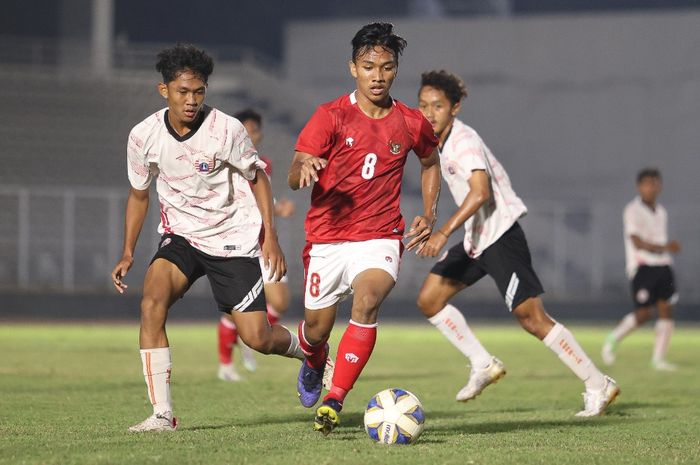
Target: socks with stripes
{"x":562,"y":342}
{"x":156,"y":372}
{"x":315,"y":354}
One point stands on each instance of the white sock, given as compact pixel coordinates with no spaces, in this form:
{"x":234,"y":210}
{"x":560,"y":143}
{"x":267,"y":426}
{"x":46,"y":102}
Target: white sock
{"x":562,"y":342}
{"x":156,"y":371}
{"x":294,"y":350}
{"x":664,"y":329}
{"x":625,"y":326}
{"x":271,"y":310}
{"x":452,"y":324}
{"x":227,"y":323}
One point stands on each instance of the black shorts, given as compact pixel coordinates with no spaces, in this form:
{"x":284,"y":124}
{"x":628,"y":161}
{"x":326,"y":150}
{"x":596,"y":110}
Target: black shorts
{"x":507,"y":261}
{"x":236,"y":282}
{"x":651,"y":284}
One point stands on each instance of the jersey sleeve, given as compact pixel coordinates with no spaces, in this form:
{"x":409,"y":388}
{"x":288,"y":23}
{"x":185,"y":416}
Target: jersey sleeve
{"x":425,"y":140}
{"x":139,"y":172}
{"x":630,"y":222}
{"x":241,"y":154}
{"x":318,"y":135}
{"x":472,"y":154}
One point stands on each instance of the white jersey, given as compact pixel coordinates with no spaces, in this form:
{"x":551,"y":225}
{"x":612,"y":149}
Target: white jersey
{"x":197,"y":175}
{"x":650,"y":226}
{"x":464,"y":152}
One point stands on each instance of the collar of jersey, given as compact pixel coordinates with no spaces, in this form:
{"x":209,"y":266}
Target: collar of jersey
{"x":203,"y":114}
{"x":353,"y":101}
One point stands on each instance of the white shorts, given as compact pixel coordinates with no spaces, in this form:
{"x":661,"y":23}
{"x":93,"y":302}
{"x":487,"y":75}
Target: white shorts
{"x":266,"y":274}
{"x":331,"y":268}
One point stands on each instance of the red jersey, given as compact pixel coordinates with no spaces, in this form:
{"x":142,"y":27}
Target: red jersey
{"x":357,"y":196}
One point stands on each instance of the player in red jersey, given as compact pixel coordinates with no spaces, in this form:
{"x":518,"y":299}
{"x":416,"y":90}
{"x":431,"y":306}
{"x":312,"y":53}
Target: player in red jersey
{"x":353,"y":150}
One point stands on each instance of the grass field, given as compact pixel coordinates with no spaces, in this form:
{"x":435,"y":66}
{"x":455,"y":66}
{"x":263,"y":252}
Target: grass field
{"x":68,"y":393}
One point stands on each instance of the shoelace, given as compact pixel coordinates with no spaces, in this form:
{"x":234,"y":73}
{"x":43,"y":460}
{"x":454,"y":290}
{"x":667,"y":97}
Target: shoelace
{"x":311,"y":378}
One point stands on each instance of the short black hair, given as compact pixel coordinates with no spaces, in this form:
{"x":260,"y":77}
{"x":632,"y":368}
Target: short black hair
{"x":449,"y":83}
{"x":184,"y":57}
{"x":248,"y":114}
{"x":377,"y":35}
{"x":648,"y":173}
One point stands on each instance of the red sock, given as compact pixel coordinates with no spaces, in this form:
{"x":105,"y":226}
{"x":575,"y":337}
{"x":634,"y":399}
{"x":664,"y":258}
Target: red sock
{"x":315,"y":354}
{"x":228,"y":334}
{"x":273,"y":317}
{"x":354,"y":351}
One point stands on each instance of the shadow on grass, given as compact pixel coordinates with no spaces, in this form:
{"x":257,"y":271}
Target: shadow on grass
{"x":518,"y":425}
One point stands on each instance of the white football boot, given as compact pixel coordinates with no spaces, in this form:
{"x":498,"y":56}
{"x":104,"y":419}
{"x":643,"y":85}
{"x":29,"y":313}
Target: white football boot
{"x":328,"y":374}
{"x":663,"y":365}
{"x":595,"y":402}
{"x":229,"y":373}
{"x":479,"y":379}
{"x":607,"y":353}
{"x":156,"y":422}
{"x":249,"y":361}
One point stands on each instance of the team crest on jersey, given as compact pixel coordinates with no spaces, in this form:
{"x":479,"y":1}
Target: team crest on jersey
{"x":204,"y":166}
{"x":394,"y":147}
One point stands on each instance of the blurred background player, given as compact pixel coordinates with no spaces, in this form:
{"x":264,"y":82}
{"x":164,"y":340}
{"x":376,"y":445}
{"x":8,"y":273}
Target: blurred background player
{"x":494,"y":244}
{"x":353,"y":151}
{"x":197,"y":153}
{"x":648,"y":252}
{"x":276,"y":292}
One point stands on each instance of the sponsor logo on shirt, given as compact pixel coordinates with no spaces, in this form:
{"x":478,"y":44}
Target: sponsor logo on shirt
{"x":349,"y":141}
{"x":232,"y":247}
{"x":394,"y":147}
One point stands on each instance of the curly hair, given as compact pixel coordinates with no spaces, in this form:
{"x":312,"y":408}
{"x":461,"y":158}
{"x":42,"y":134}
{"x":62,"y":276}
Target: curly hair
{"x":184,"y":57}
{"x":449,"y":83}
{"x":377,"y":34}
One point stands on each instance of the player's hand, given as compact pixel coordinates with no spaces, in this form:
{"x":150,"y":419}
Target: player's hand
{"x":284,"y":207}
{"x":432,"y":247}
{"x":419,"y":232}
{"x":673,"y":246}
{"x":273,"y":258}
{"x":119,"y":273}
{"x":308,"y":173}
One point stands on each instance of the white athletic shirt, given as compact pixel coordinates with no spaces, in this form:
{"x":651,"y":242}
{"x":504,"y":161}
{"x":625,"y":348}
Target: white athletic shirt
{"x":197,"y":178}
{"x":650,"y":226}
{"x":464,"y":152}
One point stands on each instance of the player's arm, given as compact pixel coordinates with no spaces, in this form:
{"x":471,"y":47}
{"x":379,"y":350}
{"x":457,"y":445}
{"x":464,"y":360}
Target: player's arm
{"x":273,"y":258}
{"x":136,"y":209}
{"x":479,"y":194}
{"x":422,"y":225}
{"x":672,"y":246}
{"x":304,"y":170}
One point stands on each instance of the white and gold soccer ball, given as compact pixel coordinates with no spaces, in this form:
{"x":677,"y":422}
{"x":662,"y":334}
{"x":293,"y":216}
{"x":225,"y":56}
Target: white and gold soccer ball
{"x":394,"y":416}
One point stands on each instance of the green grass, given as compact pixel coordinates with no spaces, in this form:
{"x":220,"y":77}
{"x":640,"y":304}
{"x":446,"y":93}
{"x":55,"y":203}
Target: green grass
{"x":68,"y":393}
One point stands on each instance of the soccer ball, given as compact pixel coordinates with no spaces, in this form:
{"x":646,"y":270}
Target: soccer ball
{"x":394,"y":416}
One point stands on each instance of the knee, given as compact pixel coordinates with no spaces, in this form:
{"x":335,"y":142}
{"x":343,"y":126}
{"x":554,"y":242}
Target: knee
{"x":316,"y":331}
{"x":534,"y":321}
{"x":259,"y":342}
{"x":365,"y":308}
{"x":429,"y":305}
{"x":153,"y":310}
{"x":643,"y":315}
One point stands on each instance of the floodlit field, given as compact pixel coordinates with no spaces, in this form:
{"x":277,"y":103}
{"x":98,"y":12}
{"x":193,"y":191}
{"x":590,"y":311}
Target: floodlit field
{"x":69,"y":392}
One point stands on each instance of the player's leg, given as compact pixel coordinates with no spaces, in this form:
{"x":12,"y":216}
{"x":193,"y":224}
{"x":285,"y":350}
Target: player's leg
{"x":237,"y":285}
{"x":665,"y":294}
{"x":313,"y":333}
{"x":509,"y":262}
{"x":642,"y":313}
{"x":227,"y":338}
{"x":433,"y":299}
{"x":278,"y":298}
{"x":163,"y":285}
{"x":370,"y":288}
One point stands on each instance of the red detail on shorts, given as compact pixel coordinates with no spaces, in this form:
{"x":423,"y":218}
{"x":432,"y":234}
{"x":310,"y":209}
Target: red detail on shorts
{"x":305,"y":259}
